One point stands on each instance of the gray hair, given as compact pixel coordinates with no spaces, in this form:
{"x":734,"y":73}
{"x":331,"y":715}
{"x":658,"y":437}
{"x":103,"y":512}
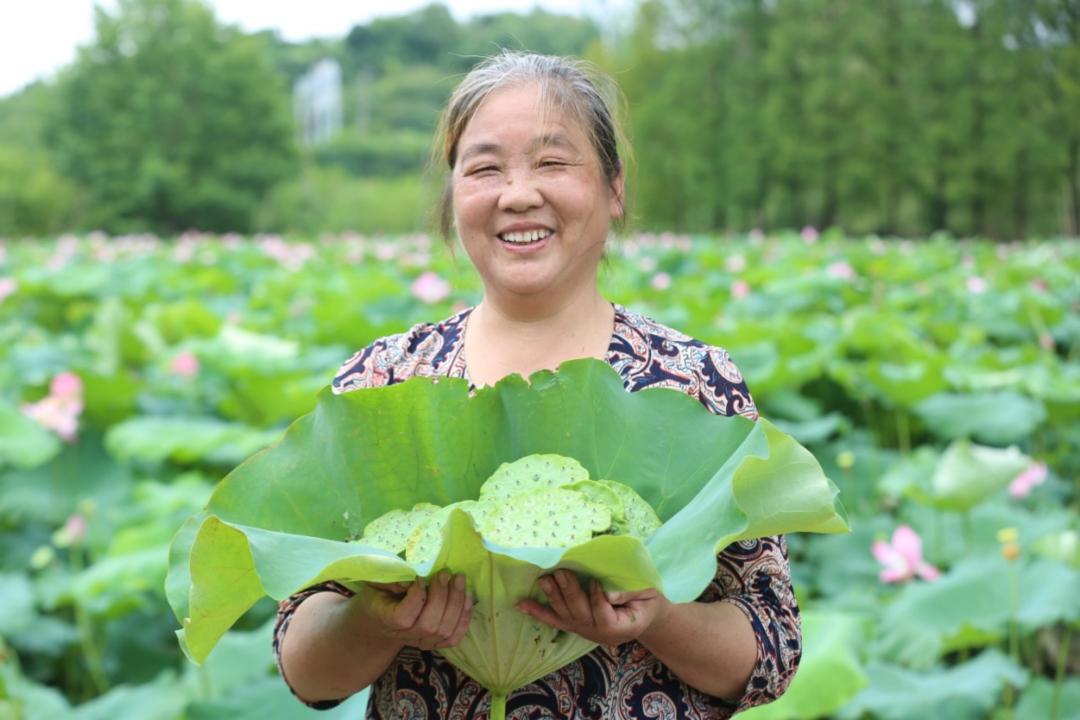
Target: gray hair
{"x":567,"y":84}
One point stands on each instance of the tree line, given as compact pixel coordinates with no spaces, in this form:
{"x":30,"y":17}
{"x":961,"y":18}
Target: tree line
{"x":901,"y":117}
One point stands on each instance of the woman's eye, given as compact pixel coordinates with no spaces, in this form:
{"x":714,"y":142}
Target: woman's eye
{"x":481,"y":170}
{"x":552,"y":163}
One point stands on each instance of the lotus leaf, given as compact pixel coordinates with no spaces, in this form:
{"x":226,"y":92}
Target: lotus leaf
{"x":283,"y":520}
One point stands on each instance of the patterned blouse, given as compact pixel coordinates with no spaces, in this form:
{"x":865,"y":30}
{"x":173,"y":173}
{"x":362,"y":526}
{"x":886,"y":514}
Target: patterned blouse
{"x":609,"y":683}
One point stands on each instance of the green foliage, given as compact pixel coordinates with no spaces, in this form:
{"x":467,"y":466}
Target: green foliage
{"x":844,"y":341}
{"x":332,"y":200}
{"x":172,"y":121}
{"x":34,"y":198}
{"x":896,"y":118}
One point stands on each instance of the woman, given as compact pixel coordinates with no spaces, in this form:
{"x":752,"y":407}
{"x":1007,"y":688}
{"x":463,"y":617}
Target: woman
{"x":535,"y":183}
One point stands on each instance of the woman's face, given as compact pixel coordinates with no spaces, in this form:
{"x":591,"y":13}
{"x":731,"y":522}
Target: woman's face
{"x":531,"y":204}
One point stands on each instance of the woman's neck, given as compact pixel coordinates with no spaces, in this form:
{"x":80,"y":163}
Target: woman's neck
{"x":501,"y":339}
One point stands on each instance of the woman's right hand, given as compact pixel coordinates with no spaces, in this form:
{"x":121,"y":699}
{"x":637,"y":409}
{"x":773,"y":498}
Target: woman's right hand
{"x":428,"y":618}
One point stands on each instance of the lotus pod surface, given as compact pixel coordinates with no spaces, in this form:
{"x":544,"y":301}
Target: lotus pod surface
{"x":531,"y":472}
{"x":543,"y":517}
{"x":603,"y":495}
{"x":392,"y":530}
{"x":426,"y":538}
{"x":641,"y":520}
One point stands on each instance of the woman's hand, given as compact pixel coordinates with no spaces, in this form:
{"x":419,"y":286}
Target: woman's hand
{"x":604,"y":618}
{"x":410,"y":614}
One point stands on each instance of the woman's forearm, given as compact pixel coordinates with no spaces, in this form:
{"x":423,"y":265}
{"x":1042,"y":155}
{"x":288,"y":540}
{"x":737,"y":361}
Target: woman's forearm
{"x":709,"y":646}
{"x":332,"y":649}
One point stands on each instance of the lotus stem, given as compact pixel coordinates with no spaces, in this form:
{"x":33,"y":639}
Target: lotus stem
{"x":91,"y":655}
{"x":903,"y":432}
{"x":1059,"y":673}
{"x":498,"y":706}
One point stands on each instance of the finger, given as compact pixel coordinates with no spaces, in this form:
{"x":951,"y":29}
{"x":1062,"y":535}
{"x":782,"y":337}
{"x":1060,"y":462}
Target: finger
{"x":431,"y":616}
{"x":544,"y":614}
{"x":555,"y":597}
{"x":577,"y":602}
{"x":622,"y":598}
{"x":462,"y":626}
{"x":455,"y":603}
{"x":408,"y":610}
{"x":603,"y":614}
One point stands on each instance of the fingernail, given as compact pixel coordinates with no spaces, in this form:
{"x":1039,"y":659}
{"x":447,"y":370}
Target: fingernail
{"x":561,"y":579}
{"x":459,"y":582}
{"x":444,"y":578}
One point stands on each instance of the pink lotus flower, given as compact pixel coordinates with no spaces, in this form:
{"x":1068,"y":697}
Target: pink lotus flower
{"x":809,"y":235}
{"x":1023,"y":483}
{"x":841,"y":270}
{"x":740,"y":289}
{"x":735,"y":263}
{"x":73,"y":532}
{"x":647,"y":264}
{"x":59,"y":410}
{"x":976,"y":285}
{"x":430,"y":288}
{"x":8,"y":286}
{"x":902,"y":557}
{"x":660,"y":281}
{"x":185,"y":365}
{"x":66,"y":385}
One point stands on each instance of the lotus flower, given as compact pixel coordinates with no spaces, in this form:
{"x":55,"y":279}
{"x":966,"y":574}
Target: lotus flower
{"x":740,"y":289}
{"x":660,"y":281}
{"x":903,"y":558}
{"x":271,"y":529}
{"x":185,"y":365}
{"x":8,"y":286}
{"x":430,"y":288}
{"x":809,"y":235}
{"x":841,"y":270}
{"x":976,"y":285}
{"x":59,"y":410}
{"x":1022,"y":485}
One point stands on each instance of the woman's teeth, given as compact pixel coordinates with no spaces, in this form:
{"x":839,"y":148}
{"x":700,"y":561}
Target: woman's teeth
{"x":524,"y":238}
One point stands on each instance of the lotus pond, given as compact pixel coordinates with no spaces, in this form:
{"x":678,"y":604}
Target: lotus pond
{"x":937,"y":381}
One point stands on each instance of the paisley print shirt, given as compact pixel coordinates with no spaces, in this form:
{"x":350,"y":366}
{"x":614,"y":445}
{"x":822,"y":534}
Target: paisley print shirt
{"x":610,"y":683}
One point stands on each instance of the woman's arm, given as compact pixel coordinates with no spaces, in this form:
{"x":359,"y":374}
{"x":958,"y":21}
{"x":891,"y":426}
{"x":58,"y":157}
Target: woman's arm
{"x":709,"y":646}
{"x":331,"y":645}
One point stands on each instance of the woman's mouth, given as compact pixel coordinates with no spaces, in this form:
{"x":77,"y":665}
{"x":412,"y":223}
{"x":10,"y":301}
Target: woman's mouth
{"x":525,"y":238}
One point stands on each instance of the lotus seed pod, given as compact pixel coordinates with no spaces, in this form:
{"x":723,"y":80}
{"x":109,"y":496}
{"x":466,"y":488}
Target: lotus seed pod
{"x":544,"y":517}
{"x":426,"y":539}
{"x":530,"y":472}
{"x":391,"y":530}
{"x":641,"y":520}
{"x":602,"y":495}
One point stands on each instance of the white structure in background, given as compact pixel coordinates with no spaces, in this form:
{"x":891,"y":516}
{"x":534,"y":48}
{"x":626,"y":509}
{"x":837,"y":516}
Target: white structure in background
{"x":317,"y":103}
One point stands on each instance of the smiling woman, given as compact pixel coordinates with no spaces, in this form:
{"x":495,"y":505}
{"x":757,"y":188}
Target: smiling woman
{"x":535,"y":184}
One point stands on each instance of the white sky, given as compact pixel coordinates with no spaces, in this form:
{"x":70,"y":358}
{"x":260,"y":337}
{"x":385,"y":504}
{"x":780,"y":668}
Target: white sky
{"x":37,"y":37}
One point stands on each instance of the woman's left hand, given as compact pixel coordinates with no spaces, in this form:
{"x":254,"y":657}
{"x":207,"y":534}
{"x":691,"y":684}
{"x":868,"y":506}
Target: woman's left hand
{"x":604,"y":618}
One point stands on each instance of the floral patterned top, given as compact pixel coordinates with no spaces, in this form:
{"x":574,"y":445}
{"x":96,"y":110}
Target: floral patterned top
{"x":609,"y":683}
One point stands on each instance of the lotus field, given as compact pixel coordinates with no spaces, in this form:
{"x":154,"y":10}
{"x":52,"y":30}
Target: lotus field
{"x":936,"y":381}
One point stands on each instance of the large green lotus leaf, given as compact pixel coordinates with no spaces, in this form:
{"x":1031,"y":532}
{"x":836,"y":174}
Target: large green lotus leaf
{"x":967,"y":474}
{"x":24,"y":443}
{"x":969,"y":690}
{"x":283,"y":520}
{"x":972,"y":604}
{"x":999,"y":418}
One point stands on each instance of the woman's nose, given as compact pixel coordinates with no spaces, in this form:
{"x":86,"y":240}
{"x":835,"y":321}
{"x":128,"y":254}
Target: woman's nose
{"x":520,"y":192}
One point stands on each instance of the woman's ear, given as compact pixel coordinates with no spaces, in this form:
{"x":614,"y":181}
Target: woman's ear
{"x":618,"y":206}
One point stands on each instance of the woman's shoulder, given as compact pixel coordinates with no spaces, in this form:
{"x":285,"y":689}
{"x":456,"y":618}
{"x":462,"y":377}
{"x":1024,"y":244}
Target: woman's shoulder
{"x":424,"y":349}
{"x":649,"y":353}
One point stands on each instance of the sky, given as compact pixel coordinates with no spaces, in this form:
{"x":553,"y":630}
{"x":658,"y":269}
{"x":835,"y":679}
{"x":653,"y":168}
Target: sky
{"x":38,"y":37}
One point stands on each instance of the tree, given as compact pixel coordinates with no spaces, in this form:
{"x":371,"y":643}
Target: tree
{"x":172,"y":121}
